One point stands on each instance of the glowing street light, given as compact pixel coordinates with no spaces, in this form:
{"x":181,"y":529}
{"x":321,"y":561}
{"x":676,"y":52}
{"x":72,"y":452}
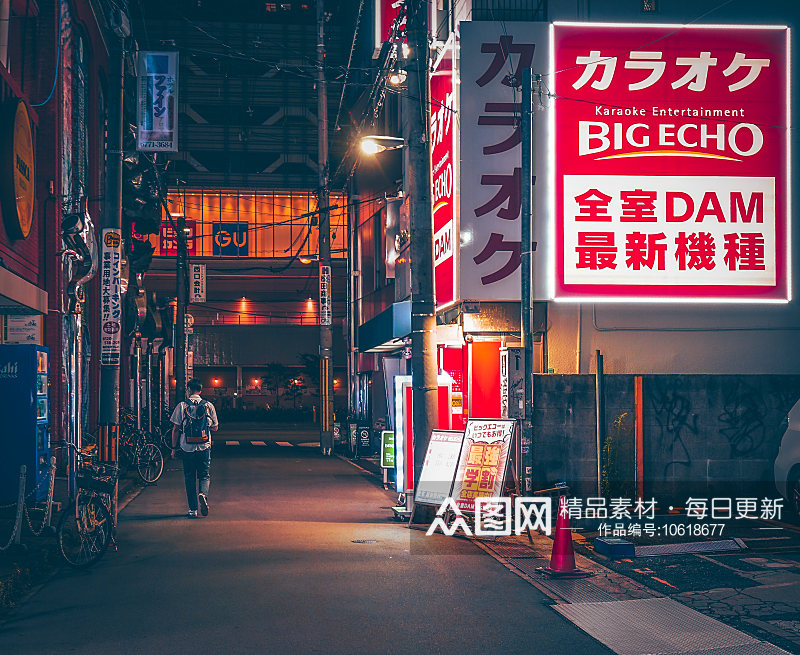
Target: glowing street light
{"x":372,"y":145}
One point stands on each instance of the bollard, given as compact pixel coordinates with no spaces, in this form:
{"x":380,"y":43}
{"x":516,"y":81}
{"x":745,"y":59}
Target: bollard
{"x":20,"y":505}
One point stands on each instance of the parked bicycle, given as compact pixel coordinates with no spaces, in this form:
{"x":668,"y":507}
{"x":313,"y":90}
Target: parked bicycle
{"x":139,"y":450}
{"x":86,"y":528}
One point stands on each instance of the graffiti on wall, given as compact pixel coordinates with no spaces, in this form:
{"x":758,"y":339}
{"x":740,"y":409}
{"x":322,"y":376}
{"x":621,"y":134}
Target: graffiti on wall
{"x":676,"y":421}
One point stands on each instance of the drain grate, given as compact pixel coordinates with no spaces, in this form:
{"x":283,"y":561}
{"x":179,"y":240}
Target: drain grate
{"x":654,"y":625}
{"x":572,"y":591}
{"x":692,"y":547}
{"x":507,"y":550}
{"x":365,"y":541}
{"x":760,"y":648}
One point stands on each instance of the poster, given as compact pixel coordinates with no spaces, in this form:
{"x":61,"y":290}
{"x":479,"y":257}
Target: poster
{"x":482,"y":463}
{"x":110,"y":297}
{"x":439,"y":467}
{"x":671,"y":171}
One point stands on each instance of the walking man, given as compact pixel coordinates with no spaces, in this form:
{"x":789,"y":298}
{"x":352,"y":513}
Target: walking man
{"x":192,"y":423}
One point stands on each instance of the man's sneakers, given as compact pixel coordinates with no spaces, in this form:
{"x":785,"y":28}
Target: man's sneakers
{"x":203,"y":505}
{"x":191,"y":514}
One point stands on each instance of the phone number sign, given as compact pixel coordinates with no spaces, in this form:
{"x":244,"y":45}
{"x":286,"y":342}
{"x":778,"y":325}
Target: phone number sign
{"x":671,"y":163}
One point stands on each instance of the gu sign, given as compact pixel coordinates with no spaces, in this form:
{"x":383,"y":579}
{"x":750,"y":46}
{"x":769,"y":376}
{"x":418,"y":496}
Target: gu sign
{"x":671,"y":163}
{"x":443,"y":181}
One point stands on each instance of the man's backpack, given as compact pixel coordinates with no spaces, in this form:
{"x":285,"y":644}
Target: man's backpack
{"x":196,"y":425}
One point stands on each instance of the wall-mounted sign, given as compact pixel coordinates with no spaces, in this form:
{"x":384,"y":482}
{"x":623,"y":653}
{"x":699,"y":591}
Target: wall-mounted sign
{"x":671,"y":171}
{"x":17,"y":170}
{"x":110,"y":297}
{"x":157,"y":101}
{"x":386,"y":14}
{"x":482,"y":463}
{"x":325,"y":311}
{"x":439,"y":468}
{"x":444,"y":165}
{"x":168,"y":241}
{"x":23,"y":329}
{"x":493,"y":56}
{"x":230,"y":239}
{"x":197,"y":283}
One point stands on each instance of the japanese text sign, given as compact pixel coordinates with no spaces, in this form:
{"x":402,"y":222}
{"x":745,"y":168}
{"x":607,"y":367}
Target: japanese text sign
{"x":325,"y":311}
{"x":482,"y":463}
{"x":157,"y":101}
{"x":439,"y":467}
{"x":197,"y":283}
{"x":671,"y":163}
{"x":168,"y":241}
{"x":443,"y":181}
{"x":493,"y":57}
{"x":110,"y":297}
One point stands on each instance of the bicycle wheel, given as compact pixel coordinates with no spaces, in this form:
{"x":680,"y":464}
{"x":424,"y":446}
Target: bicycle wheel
{"x":84,"y":534}
{"x":150,"y":462}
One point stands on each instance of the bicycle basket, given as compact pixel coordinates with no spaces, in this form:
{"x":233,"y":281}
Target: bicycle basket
{"x":99,"y":478}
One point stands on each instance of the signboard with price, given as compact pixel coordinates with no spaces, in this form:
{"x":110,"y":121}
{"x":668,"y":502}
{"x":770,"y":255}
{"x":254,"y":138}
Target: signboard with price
{"x":482,"y":463}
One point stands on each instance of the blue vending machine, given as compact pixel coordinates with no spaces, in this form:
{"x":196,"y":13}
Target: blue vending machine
{"x":24,"y":419}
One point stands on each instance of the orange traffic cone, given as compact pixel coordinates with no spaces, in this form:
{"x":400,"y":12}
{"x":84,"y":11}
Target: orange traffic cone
{"x":562,"y":559}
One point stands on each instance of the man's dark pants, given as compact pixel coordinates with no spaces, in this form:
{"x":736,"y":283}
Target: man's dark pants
{"x":196,"y":467}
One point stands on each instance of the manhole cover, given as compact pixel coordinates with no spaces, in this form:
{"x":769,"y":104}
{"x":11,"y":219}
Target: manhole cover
{"x":365,"y":541}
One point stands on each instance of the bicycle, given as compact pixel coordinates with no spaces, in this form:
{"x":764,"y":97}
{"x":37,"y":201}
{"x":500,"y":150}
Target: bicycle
{"x":86,"y":528}
{"x":139,"y":449}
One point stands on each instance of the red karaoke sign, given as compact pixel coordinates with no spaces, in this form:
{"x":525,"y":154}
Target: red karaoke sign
{"x":671,"y":163}
{"x":443,"y":167}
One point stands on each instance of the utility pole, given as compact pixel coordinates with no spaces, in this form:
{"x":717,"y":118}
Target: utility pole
{"x":325,"y":277}
{"x":526,"y":294}
{"x":179,"y":346}
{"x":108,"y":402}
{"x":423,"y":312}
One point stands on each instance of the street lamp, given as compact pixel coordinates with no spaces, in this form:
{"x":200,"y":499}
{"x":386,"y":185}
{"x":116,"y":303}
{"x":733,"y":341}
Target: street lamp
{"x":372,"y":145}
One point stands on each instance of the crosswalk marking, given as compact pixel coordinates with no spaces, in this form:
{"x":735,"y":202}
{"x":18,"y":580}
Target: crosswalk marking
{"x":284,"y":443}
{"x":258,"y":443}
{"x":309,"y":444}
{"x":231,"y":443}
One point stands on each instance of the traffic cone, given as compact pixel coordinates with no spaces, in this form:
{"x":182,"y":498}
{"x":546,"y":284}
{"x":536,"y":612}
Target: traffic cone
{"x":562,"y":559}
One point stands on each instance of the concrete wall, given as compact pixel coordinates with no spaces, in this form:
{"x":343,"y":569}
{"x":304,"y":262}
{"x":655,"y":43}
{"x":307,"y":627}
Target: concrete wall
{"x":642,"y":339}
{"x":702,"y":433}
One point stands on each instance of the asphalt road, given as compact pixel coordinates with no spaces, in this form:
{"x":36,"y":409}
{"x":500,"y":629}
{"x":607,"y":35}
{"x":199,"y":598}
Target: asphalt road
{"x":275,"y":568}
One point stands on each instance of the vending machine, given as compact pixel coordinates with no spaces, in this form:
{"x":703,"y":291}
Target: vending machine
{"x":24,"y":419}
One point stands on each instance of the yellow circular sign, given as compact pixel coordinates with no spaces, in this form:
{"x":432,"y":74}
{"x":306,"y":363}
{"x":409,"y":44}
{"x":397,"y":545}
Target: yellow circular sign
{"x":112,"y":239}
{"x":18,"y":171}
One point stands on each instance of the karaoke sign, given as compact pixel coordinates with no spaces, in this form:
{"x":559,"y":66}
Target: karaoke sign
{"x":671,"y":163}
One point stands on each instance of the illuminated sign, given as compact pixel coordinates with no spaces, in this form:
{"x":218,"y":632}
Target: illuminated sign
{"x":443,"y":178}
{"x":439,"y":468}
{"x":157,"y":101}
{"x":482,"y":463}
{"x":671,"y":163}
{"x":229,"y":239}
{"x":386,"y":14}
{"x":493,"y":56}
{"x":168,"y":241}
